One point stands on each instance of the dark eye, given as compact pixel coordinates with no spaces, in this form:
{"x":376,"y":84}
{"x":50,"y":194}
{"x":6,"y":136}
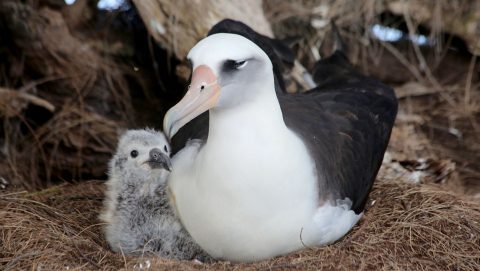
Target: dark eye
{"x":134,"y":153}
{"x":165,"y":148}
{"x":240,"y":64}
{"x":231,"y":65}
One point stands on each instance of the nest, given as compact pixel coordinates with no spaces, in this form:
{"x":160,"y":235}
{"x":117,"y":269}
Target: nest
{"x":61,"y":97}
{"x":406,"y":227}
{"x":65,"y":91}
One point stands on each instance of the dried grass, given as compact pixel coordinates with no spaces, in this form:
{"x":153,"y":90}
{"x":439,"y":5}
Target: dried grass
{"x":62,"y":109}
{"x":406,"y":227}
{"x":409,"y":226}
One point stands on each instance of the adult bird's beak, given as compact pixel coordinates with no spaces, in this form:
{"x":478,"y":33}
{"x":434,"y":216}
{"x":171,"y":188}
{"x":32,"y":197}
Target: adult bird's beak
{"x":203,"y":94}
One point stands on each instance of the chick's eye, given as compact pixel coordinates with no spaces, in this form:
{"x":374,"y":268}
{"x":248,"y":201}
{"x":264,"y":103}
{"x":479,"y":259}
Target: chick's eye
{"x":165,"y":148}
{"x":134,"y":153}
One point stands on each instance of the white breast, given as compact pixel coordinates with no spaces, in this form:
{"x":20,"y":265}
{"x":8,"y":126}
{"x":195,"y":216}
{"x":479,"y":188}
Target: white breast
{"x":263,"y":205}
{"x":240,"y":209}
{"x":251,"y":192}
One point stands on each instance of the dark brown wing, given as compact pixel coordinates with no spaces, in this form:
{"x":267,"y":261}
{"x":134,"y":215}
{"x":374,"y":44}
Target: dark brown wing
{"x":346,"y":123}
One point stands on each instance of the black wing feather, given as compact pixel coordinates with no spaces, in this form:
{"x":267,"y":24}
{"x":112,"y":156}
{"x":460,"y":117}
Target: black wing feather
{"x":350,"y":118}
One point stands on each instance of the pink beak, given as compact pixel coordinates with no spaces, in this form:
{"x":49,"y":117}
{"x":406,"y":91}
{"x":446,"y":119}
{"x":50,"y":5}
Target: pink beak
{"x":203,"y":94}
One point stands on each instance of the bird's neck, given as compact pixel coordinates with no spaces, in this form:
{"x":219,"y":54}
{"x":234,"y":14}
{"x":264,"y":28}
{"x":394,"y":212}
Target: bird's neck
{"x":261,"y":115}
{"x":142,"y":183}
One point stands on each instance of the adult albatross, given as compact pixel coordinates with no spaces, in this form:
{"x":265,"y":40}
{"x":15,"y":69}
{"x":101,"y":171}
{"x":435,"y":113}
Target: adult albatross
{"x":278,"y":171}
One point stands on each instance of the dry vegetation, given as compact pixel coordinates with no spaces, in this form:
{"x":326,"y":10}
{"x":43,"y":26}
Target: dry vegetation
{"x":72,"y":77}
{"x":78,"y":93}
{"x":406,"y":227}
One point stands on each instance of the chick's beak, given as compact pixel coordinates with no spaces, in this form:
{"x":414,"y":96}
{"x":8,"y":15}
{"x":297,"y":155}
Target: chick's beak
{"x":203,"y":94}
{"x":157,"y":159}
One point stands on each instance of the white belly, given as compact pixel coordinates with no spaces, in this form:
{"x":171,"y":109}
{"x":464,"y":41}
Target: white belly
{"x":246,"y":209}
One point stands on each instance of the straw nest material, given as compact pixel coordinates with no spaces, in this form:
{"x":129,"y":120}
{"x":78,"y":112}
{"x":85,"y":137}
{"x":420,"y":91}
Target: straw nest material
{"x":61,"y":100}
{"x":406,"y":227}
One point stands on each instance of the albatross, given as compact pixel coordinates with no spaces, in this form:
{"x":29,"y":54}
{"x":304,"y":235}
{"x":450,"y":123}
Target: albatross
{"x":277,"y":172}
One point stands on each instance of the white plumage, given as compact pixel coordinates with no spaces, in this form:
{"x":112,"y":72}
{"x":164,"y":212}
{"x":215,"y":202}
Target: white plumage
{"x":251,"y":191}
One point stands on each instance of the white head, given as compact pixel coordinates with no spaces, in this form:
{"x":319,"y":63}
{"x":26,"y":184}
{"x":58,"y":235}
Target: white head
{"x":228,"y":70}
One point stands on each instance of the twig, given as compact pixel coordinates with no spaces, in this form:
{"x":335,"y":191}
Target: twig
{"x":423,"y":62}
{"x":86,"y":258}
{"x":11,"y":263}
{"x":468,"y":83}
{"x":281,"y":266}
{"x":124,"y":258}
{"x":414,"y":90}
{"x":302,"y":77}
{"x":28,"y":97}
{"x":35,"y":83}
{"x":396,"y":53}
